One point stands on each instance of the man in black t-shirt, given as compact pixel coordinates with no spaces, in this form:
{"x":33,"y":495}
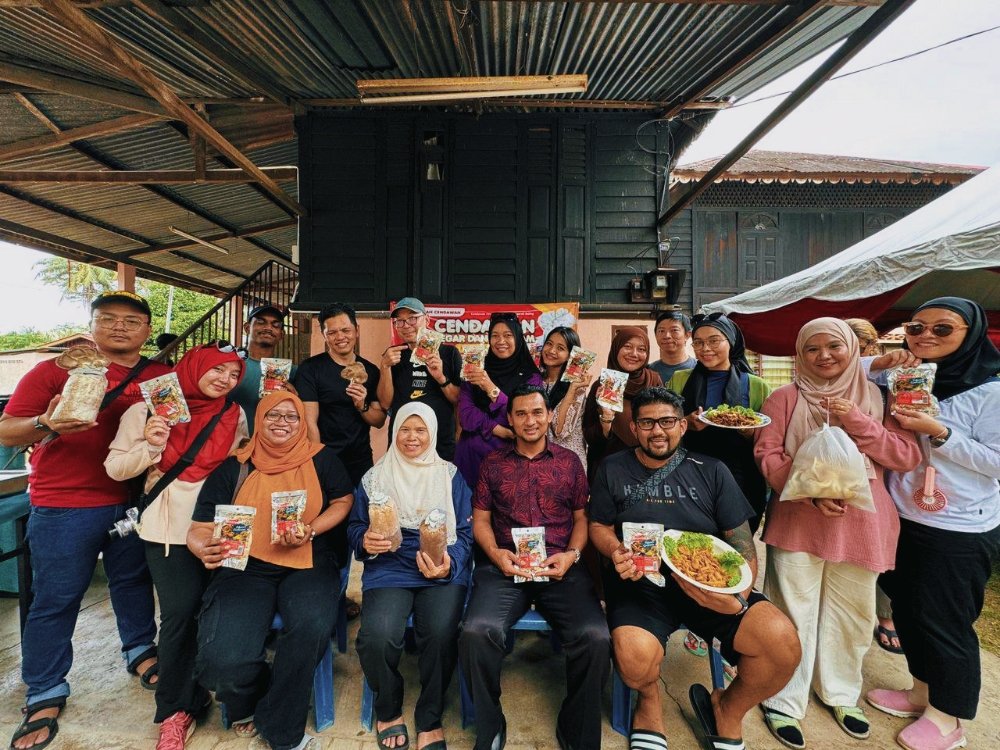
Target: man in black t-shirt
{"x":436,"y":384}
{"x":659,"y":482}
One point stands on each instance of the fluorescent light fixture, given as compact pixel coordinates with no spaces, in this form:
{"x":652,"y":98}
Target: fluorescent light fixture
{"x":199,"y":240}
{"x":426,"y":90}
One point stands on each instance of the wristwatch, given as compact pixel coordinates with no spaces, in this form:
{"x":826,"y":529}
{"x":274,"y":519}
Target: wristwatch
{"x":39,"y":426}
{"x":937,"y":442}
{"x":368,"y":406}
{"x":576,"y":552}
{"x":446,"y":383}
{"x":744,"y":605}
{"x":494,"y":393}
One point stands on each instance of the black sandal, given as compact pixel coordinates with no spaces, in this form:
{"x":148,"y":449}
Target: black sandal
{"x":701,"y":703}
{"x":396,"y":730}
{"x":28,"y":725}
{"x":146,"y":678}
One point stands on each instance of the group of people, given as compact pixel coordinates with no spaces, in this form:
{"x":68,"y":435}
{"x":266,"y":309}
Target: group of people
{"x":532,"y":451}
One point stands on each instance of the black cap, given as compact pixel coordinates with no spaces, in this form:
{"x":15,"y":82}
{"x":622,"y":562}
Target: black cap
{"x":261,"y":309}
{"x":122,"y":298}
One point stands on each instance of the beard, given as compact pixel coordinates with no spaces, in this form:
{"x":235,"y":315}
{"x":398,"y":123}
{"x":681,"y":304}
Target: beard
{"x":658,"y":456}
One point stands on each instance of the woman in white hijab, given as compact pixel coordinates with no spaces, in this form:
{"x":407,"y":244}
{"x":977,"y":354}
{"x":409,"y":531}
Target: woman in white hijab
{"x":408,"y":579}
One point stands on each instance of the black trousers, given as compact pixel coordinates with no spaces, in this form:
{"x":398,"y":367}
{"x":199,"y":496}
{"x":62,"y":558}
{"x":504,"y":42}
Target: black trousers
{"x":232,"y":661}
{"x":180,"y":579}
{"x":937,"y":593}
{"x":437,"y":612}
{"x":571,"y":607}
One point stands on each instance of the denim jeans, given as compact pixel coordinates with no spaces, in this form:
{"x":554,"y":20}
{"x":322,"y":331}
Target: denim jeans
{"x":65,"y":543}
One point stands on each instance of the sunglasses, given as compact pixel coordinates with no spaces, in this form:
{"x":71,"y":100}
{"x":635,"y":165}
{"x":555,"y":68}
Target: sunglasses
{"x":941,"y":330}
{"x":226,"y":348}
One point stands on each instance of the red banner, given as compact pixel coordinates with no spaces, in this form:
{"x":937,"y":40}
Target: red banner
{"x":470,"y":324}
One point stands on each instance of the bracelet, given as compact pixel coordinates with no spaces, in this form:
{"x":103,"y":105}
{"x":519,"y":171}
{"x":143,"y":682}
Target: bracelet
{"x":941,"y":439}
{"x":606,"y":421}
{"x":312,"y":533}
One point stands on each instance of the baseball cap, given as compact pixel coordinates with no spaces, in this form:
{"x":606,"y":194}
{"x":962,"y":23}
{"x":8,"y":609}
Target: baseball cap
{"x":261,"y":309}
{"x":121,"y":298}
{"x":409,"y":303}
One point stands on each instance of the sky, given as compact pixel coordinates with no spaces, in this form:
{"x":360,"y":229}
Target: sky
{"x":942,"y":106}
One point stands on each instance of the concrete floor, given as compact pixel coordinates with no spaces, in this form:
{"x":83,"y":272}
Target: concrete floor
{"x":110,"y":711}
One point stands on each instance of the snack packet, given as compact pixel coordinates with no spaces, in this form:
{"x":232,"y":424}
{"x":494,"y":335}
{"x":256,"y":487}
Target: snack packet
{"x":286,"y":513}
{"x":234,"y":526}
{"x":384,"y":519}
{"x":912,"y":387}
{"x":529,"y":544}
{"x":81,"y":395}
{"x":535,"y":350}
{"x":428,"y":342}
{"x":164,"y":398}
{"x":645,"y":542}
{"x":473,"y":357}
{"x":580,"y":361}
{"x":274,"y":374}
{"x":611,"y":389}
{"x":434,"y":536}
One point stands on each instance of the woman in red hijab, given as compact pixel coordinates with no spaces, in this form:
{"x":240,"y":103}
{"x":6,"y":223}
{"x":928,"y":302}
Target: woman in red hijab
{"x":207,"y":374}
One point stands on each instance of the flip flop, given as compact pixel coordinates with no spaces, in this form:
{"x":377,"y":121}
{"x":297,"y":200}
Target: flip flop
{"x":695,"y":645}
{"x":881,"y":631}
{"x":646,"y":739}
{"x":701,"y":703}
{"x":51,"y":723}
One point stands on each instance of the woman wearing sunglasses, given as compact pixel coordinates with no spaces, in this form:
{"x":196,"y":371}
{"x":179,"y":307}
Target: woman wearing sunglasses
{"x":949,"y":528}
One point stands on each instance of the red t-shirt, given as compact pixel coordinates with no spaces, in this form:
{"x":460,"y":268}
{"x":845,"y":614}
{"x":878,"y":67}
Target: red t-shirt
{"x":68,"y":472}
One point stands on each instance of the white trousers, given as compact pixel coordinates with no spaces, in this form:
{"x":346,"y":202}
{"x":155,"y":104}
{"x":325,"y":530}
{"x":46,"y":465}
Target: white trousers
{"x":832,"y":605}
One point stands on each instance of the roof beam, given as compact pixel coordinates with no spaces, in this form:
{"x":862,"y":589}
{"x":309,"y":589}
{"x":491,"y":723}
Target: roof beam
{"x":113,"y":53}
{"x":854,"y":43}
{"x":143,"y":177}
{"x":216,"y":237}
{"x":60,"y":138}
{"x":871,"y":3}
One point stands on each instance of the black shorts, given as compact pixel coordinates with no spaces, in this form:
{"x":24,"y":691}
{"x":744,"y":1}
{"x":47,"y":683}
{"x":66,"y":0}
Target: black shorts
{"x":661,"y":611}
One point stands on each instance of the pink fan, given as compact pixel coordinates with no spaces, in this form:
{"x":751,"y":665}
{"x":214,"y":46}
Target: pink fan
{"x":927,"y":497}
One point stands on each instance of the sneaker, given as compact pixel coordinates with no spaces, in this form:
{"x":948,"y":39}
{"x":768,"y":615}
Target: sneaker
{"x":923,"y":734}
{"x":895,"y":703}
{"x":175,"y":730}
{"x":853,"y":721}
{"x":785,"y":728}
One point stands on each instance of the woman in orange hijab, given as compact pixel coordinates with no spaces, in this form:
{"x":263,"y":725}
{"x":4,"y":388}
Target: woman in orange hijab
{"x":292,"y":572}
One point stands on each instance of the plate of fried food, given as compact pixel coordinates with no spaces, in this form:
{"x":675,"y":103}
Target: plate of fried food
{"x":734,"y":418}
{"x":707,"y":562}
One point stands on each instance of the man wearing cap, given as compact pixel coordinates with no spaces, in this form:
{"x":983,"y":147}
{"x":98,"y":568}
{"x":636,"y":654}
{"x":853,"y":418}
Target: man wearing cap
{"x":435,"y":384}
{"x":265,"y":328}
{"x":73,"y":505}
{"x":672,"y":331}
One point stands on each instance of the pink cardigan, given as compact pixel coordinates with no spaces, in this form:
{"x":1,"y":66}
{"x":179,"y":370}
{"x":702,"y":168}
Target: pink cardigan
{"x":864,"y":539}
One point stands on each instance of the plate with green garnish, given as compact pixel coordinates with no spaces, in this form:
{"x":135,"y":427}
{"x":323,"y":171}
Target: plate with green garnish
{"x":706,"y":561}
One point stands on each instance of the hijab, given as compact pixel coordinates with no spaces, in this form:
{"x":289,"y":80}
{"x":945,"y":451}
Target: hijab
{"x":851,"y":384}
{"x":417,"y":485}
{"x":695,"y":391}
{"x":279,"y":468}
{"x":192,"y":368}
{"x":637,"y":381}
{"x":975,"y":361}
{"x":506,"y":374}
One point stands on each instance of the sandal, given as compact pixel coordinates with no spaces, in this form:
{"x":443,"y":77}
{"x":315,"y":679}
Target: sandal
{"x":146,"y":678}
{"x":884,"y":632}
{"x":244,"y":728}
{"x":853,"y":721}
{"x":390,"y":733}
{"x":701,"y":703}
{"x":29,"y":725}
{"x":353,"y":610}
{"x":695,"y":645}
{"x":786,"y":729}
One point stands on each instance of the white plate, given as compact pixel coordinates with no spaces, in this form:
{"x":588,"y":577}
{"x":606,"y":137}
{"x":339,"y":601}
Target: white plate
{"x":718,"y":547}
{"x":764,"y":421}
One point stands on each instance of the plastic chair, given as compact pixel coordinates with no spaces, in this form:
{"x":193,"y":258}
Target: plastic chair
{"x":622,"y":697}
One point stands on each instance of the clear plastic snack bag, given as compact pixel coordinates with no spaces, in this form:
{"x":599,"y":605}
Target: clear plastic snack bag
{"x":828,"y":464}
{"x":434,"y":536}
{"x":384,"y":519}
{"x":580,"y":360}
{"x":286,"y":513}
{"x":473,"y":358}
{"x":165,"y":399}
{"x":274,"y":374}
{"x":428,"y":342}
{"x":611,"y":389}
{"x":529,"y":545}
{"x":81,"y":395}
{"x":912,"y":387}
{"x":645,"y":542}
{"x":234,"y":526}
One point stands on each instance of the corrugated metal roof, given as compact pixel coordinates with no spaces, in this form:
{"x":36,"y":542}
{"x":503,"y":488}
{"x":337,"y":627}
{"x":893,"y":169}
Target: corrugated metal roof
{"x":655,"y":53}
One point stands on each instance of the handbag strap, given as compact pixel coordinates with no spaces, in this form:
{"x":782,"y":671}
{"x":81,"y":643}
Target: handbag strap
{"x":119,"y":389}
{"x":240,"y":479}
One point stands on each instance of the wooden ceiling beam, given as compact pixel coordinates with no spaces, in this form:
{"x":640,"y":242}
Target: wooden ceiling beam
{"x":851,"y":3}
{"x":243,"y":234}
{"x":104,"y":45}
{"x":61,"y":138}
{"x":145,"y":177}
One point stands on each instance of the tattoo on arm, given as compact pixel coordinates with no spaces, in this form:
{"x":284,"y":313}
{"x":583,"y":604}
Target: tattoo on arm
{"x":741,"y":540}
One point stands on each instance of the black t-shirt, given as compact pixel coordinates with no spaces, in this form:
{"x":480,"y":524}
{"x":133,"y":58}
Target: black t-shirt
{"x":692,"y":493}
{"x":333,"y":479}
{"x":412,"y":382}
{"x":341,"y":426}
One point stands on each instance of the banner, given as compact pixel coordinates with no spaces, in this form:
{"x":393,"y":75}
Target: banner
{"x":470,"y":324}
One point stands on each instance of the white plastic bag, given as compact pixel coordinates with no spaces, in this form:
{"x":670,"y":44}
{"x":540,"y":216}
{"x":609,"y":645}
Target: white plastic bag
{"x":829,"y":464}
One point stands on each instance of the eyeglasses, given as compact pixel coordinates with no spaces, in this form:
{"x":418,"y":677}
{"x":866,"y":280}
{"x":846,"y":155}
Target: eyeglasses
{"x":941,"y":330}
{"x":277,"y":416}
{"x":406,"y":322}
{"x":666,"y":423}
{"x":104,"y":320}
{"x":713,"y":343}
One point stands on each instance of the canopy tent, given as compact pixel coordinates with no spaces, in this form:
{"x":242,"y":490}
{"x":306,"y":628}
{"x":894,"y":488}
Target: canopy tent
{"x":951,"y":246}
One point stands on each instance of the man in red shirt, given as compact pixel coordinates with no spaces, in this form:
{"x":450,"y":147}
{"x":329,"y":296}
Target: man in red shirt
{"x":73,"y":505}
{"x":534,"y":483}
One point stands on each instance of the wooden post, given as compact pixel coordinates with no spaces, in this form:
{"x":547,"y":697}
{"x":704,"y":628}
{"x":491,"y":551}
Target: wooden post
{"x":126,"y":278}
